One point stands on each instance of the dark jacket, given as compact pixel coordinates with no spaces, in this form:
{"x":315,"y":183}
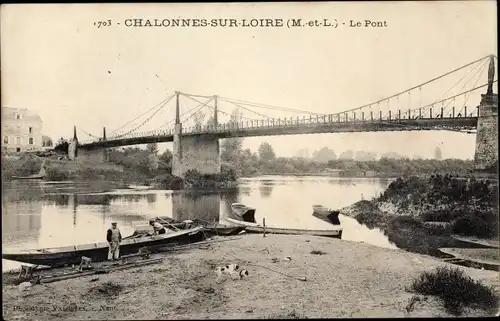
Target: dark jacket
{"x":110,"y":233}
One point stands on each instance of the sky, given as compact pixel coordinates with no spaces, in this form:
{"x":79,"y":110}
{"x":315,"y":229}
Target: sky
{"x":55,"y":61}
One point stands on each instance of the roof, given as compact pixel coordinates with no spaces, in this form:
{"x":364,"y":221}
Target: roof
{"x":9,"y":113}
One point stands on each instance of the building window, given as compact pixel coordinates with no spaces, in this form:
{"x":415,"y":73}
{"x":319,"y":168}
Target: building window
{"x":18,"y":140}
{"x":31,"y":140}
{"x":6,"y":140}
{"x":18,"y":116}
{"x":30,"y":129}
{"x":18,"y":149}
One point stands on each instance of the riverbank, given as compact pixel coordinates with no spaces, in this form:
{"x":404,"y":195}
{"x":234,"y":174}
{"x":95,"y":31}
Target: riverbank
{"x":424,"y":214}
{"x":52,"y":169}
{"x":348,"y":280}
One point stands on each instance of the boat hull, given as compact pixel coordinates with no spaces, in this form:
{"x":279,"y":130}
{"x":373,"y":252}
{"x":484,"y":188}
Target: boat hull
{"x":242,"y":212}
{"x":98,"y":252}
{"x":256,"y":228}
{"x":28,"y":177}
{"x":209,"y":229}
{"x":336,"y":233}
{"x":332,"y":217}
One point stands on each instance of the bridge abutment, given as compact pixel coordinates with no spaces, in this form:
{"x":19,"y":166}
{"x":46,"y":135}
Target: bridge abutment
{"x":198,"y":152}
{"x":486,"y":154}
{"x":93,"y":155}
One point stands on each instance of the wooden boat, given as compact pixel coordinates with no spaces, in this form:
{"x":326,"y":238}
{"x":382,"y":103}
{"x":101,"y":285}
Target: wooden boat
{"x":326,"y":214}
{"x":242,"y":212}
{"x":29,"y":177}
{"x":335,"y":233}
{"x":60,"y":256}
{"x":209,"y":228}
{"x":257,"y":228}
{"x":234,"y":222}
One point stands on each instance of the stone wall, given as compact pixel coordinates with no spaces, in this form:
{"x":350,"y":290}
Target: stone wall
{"x":487,"y":133}
{"x":94,"y":155}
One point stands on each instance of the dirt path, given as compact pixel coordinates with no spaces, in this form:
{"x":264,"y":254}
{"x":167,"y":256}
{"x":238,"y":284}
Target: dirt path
{"x":349,"y":280}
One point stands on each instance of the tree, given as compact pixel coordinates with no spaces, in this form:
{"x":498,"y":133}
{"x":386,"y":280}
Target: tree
{"x":348,"y":154}
{"x":231,"y":148}
{"x":437,"y":153}
{"x":324,"y":155}
{"x":266,"y":153}
{"x":166,"y":158}
{"x":152,"y":148}
{"x":46,"y":141}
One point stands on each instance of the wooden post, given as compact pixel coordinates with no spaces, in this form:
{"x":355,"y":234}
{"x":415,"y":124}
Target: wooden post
{"x":264,"y":225}
{"x":453,"y":112}
{"x":441,"y":112}
{"x":465,"y":111}
{"x":389,"y":115}
{"x":371,"y":115}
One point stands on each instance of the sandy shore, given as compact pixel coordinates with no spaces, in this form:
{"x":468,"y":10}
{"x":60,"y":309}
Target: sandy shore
{"x":349,"y":280}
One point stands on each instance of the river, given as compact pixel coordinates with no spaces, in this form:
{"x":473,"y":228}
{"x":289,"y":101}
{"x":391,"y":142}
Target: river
{"x":38,"y":214}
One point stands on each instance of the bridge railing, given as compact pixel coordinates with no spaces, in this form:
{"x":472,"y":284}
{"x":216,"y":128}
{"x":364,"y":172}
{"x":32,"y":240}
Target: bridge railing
{"x":330,"y":119}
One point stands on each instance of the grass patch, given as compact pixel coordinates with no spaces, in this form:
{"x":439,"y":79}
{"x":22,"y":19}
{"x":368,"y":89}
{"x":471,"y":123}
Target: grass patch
{"x":456,"y":290}
{"x":316,"y":252}
{"x":287,"y":315}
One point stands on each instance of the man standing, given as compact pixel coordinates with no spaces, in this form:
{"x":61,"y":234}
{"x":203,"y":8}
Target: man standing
{"x":114,"y":238}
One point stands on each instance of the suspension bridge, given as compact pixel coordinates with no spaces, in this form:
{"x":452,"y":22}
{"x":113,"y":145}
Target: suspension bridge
{"x":200,"y":121}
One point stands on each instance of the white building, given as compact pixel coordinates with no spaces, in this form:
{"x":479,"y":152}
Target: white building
{"x":21,"y":130}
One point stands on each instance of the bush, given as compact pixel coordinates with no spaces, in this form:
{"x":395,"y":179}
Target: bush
{"x":169,"y":181}
{"x":473,"y":225}
{"x":456,"y":290}
{"x":371,"y":219}
{"x":56,"y":174}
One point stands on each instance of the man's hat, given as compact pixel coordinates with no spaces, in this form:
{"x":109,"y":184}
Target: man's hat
{"x":113,"y":223}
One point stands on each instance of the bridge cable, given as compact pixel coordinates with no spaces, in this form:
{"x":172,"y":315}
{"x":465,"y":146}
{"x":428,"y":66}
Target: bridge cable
{"x":219,"y":110}
{"x":237,"y":105}
{"x":265,"y":106}
{"x":147,"y":111}
{"x":475,"y":84}
{"x":181,"y":115}
{"x":478,"y":72}
{"x":422,"y":84}
{"x":149,"y":118}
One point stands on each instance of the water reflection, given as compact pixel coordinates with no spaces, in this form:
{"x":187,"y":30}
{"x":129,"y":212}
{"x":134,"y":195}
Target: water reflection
{"x":39,"y":215}
{"x":266,"y":188}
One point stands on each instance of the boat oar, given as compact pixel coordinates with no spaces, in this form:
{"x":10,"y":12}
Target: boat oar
{"x":175,"y":227}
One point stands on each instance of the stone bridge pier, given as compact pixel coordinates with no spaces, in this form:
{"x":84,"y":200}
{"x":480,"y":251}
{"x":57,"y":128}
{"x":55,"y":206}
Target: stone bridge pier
{"x":197,"y":152}
{"x":98,"y":155}
{"x":486,"y":155}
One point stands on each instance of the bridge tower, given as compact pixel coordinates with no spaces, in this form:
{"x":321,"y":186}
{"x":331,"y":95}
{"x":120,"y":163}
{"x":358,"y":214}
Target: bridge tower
{"x":194,"y":152}
{"x":73,"y":146}
{"x":486,"y":155}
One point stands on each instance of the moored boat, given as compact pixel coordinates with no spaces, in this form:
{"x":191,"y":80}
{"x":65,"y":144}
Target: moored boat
{"x":60,"y":256}
{"x":326,"y":214}
{"x":209,"y":228}
{"x":28,"y":177}
{"x":335,"y":233}
{"x":242,"y":212}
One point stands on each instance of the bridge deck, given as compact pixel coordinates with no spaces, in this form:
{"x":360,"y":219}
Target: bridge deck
{"x":248,"y":129}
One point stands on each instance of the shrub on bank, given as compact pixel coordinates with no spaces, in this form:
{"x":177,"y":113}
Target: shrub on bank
{"x":456,"y":290}
{"x":86,"y":173}
{"x":23,"y":166}
{"x":473,"y":225}
{"x":169,"y":181}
